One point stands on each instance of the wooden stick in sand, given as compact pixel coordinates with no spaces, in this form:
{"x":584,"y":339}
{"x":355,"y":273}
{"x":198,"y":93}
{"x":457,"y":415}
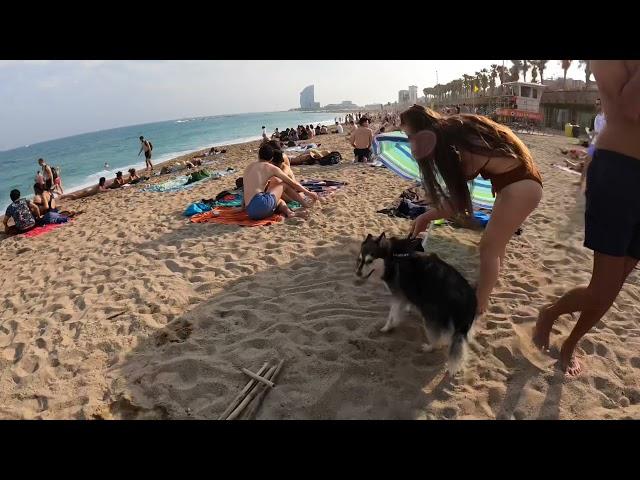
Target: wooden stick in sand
{"x":236,"y":413}
{"x":243,"y":393}
{"x":251,"y":412}
{"x":258,"y":378}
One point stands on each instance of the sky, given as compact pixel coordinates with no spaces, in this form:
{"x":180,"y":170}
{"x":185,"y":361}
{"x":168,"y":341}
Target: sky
{"x":47,"y":99}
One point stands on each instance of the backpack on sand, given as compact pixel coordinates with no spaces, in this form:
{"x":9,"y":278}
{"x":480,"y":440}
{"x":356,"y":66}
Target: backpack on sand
{"x":332,"y":159}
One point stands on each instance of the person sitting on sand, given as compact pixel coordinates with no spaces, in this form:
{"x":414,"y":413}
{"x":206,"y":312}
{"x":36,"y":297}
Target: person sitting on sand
{"x":102,"y":185}
{"x":133,"y":176}
{"x":285,"y":166}
{"x":324,"y":130}
{"x":47,"y":206}
{"x":612,"y":217}
{"x":263,"y":186}
{"x":317,"y":132}
{"x":23,"y":212}
{"x":293,"y":135}
{"x":361,"y":140}
{"x":118,"y":181}
{"x":339,"y":128}
{"x":289,"y":194}
{"x":275,"y":134}
{"x":458,"y":148}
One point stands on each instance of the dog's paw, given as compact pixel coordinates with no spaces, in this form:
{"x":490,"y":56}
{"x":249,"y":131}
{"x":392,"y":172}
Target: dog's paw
{"x":427,"y":348}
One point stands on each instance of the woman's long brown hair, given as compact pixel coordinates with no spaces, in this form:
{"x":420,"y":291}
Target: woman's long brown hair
{"x":473,"y":133}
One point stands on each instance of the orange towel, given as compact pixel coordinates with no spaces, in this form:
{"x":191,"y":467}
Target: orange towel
{"x":228,"y":216}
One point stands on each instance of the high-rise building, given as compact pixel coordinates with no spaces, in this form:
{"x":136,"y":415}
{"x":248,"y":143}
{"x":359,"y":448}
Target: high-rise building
{"x":403,"y":96}
{"x":413,"y":94}
{"x":306,"y":99}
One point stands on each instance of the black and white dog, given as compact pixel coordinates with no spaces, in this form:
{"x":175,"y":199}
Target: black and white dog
{"x":426,"y":284}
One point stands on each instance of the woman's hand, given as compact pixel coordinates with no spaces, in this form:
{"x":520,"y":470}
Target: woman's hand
{"x":420,"y":224}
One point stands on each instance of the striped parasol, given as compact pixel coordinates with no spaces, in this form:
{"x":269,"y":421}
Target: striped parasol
{"x":394,"y":151}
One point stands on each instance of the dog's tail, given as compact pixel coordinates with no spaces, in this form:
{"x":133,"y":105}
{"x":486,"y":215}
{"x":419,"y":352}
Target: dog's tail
{"x":457,"y":352}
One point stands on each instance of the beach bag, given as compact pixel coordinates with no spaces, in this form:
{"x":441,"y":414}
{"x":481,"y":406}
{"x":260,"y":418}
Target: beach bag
{"x":195,"y":208}
{"x":332,"y":159}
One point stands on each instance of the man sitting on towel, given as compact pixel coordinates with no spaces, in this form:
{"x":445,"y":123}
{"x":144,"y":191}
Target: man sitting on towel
{"x":264,"y":184}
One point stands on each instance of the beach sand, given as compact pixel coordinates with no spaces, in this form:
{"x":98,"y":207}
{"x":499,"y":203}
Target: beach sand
{"x":132,"y":312}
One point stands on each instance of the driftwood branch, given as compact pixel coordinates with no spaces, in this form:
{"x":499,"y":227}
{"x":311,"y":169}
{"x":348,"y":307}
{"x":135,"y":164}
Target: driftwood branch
{"x":238,"y":410}
{"x":258,"y":378}
{"x":243,"y":393}
{"x":253,"y":409}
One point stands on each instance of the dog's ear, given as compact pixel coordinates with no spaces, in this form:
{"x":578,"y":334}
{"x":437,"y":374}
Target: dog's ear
{"x":383,"y":242}
{"x":369,"y":237}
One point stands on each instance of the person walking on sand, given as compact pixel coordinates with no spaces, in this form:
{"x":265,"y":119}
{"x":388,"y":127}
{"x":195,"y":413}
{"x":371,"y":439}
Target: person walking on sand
{"x":612,"y":217}
{"x":459,"y":148}
{"x":361,"y":140}
{"x":145,"y":145}
{"x":264,"y":185}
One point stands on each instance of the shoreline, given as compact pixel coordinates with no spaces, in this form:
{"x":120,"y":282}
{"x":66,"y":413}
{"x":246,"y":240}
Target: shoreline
{"x":254,"y":144}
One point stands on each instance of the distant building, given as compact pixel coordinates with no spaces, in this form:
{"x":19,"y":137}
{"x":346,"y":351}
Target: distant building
{"x":344,"y":105}
{"x":307,"y":101}
{"x":373,"y":106}
{"x":413,"y":94}
{"x":403,"y":96}
{"x":558,"y":84}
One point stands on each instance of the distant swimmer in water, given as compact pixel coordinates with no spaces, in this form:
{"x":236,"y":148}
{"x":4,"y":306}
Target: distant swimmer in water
{"x":106,"y":166}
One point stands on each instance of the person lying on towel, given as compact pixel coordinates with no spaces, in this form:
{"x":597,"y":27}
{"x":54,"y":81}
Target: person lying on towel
{"x":264,"y":185}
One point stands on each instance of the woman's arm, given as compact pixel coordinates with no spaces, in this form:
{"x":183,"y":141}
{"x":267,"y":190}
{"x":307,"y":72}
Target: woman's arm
{"x":421,"y":223}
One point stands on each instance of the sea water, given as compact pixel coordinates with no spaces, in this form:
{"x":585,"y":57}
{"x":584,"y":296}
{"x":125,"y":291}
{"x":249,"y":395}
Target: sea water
{"x":82,"y":158}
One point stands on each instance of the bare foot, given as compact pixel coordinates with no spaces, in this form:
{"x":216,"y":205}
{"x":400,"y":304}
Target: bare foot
{"x":542,"y":329}
{"x":302,"y":213}
{"x":569,"y":363}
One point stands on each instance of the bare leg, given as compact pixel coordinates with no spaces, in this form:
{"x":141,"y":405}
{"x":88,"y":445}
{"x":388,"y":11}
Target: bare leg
{"x":290,"y":195}
{"x":513,"y":205}
{"x":607,"y":279}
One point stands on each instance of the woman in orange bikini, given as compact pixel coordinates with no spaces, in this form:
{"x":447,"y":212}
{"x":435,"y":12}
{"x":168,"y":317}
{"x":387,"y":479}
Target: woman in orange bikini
{"x":458,"y":148}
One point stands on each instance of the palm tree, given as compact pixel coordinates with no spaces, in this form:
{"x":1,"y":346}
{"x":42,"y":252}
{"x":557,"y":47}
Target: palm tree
{"x":534,"y":74}
{"x":484,"y":80}
{"x":541,"y":65}
{"x":502,"y":72}
{"x":565,"y":66}
{"x":492,"y":77}
{"x":525,"y":69}
{"x":515,"y":70}
{"x":586,"y":64}
{"x":466,"y":83}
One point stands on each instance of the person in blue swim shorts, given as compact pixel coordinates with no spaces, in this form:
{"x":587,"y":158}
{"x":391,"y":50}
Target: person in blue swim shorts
{"x":264,"y":185}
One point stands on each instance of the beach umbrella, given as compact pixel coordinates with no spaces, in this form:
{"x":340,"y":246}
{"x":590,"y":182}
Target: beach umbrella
{"x":394,"y":152}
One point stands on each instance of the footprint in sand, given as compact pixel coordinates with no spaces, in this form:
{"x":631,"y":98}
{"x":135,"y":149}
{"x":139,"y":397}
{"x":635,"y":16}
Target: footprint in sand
{"x":175,"y":332}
